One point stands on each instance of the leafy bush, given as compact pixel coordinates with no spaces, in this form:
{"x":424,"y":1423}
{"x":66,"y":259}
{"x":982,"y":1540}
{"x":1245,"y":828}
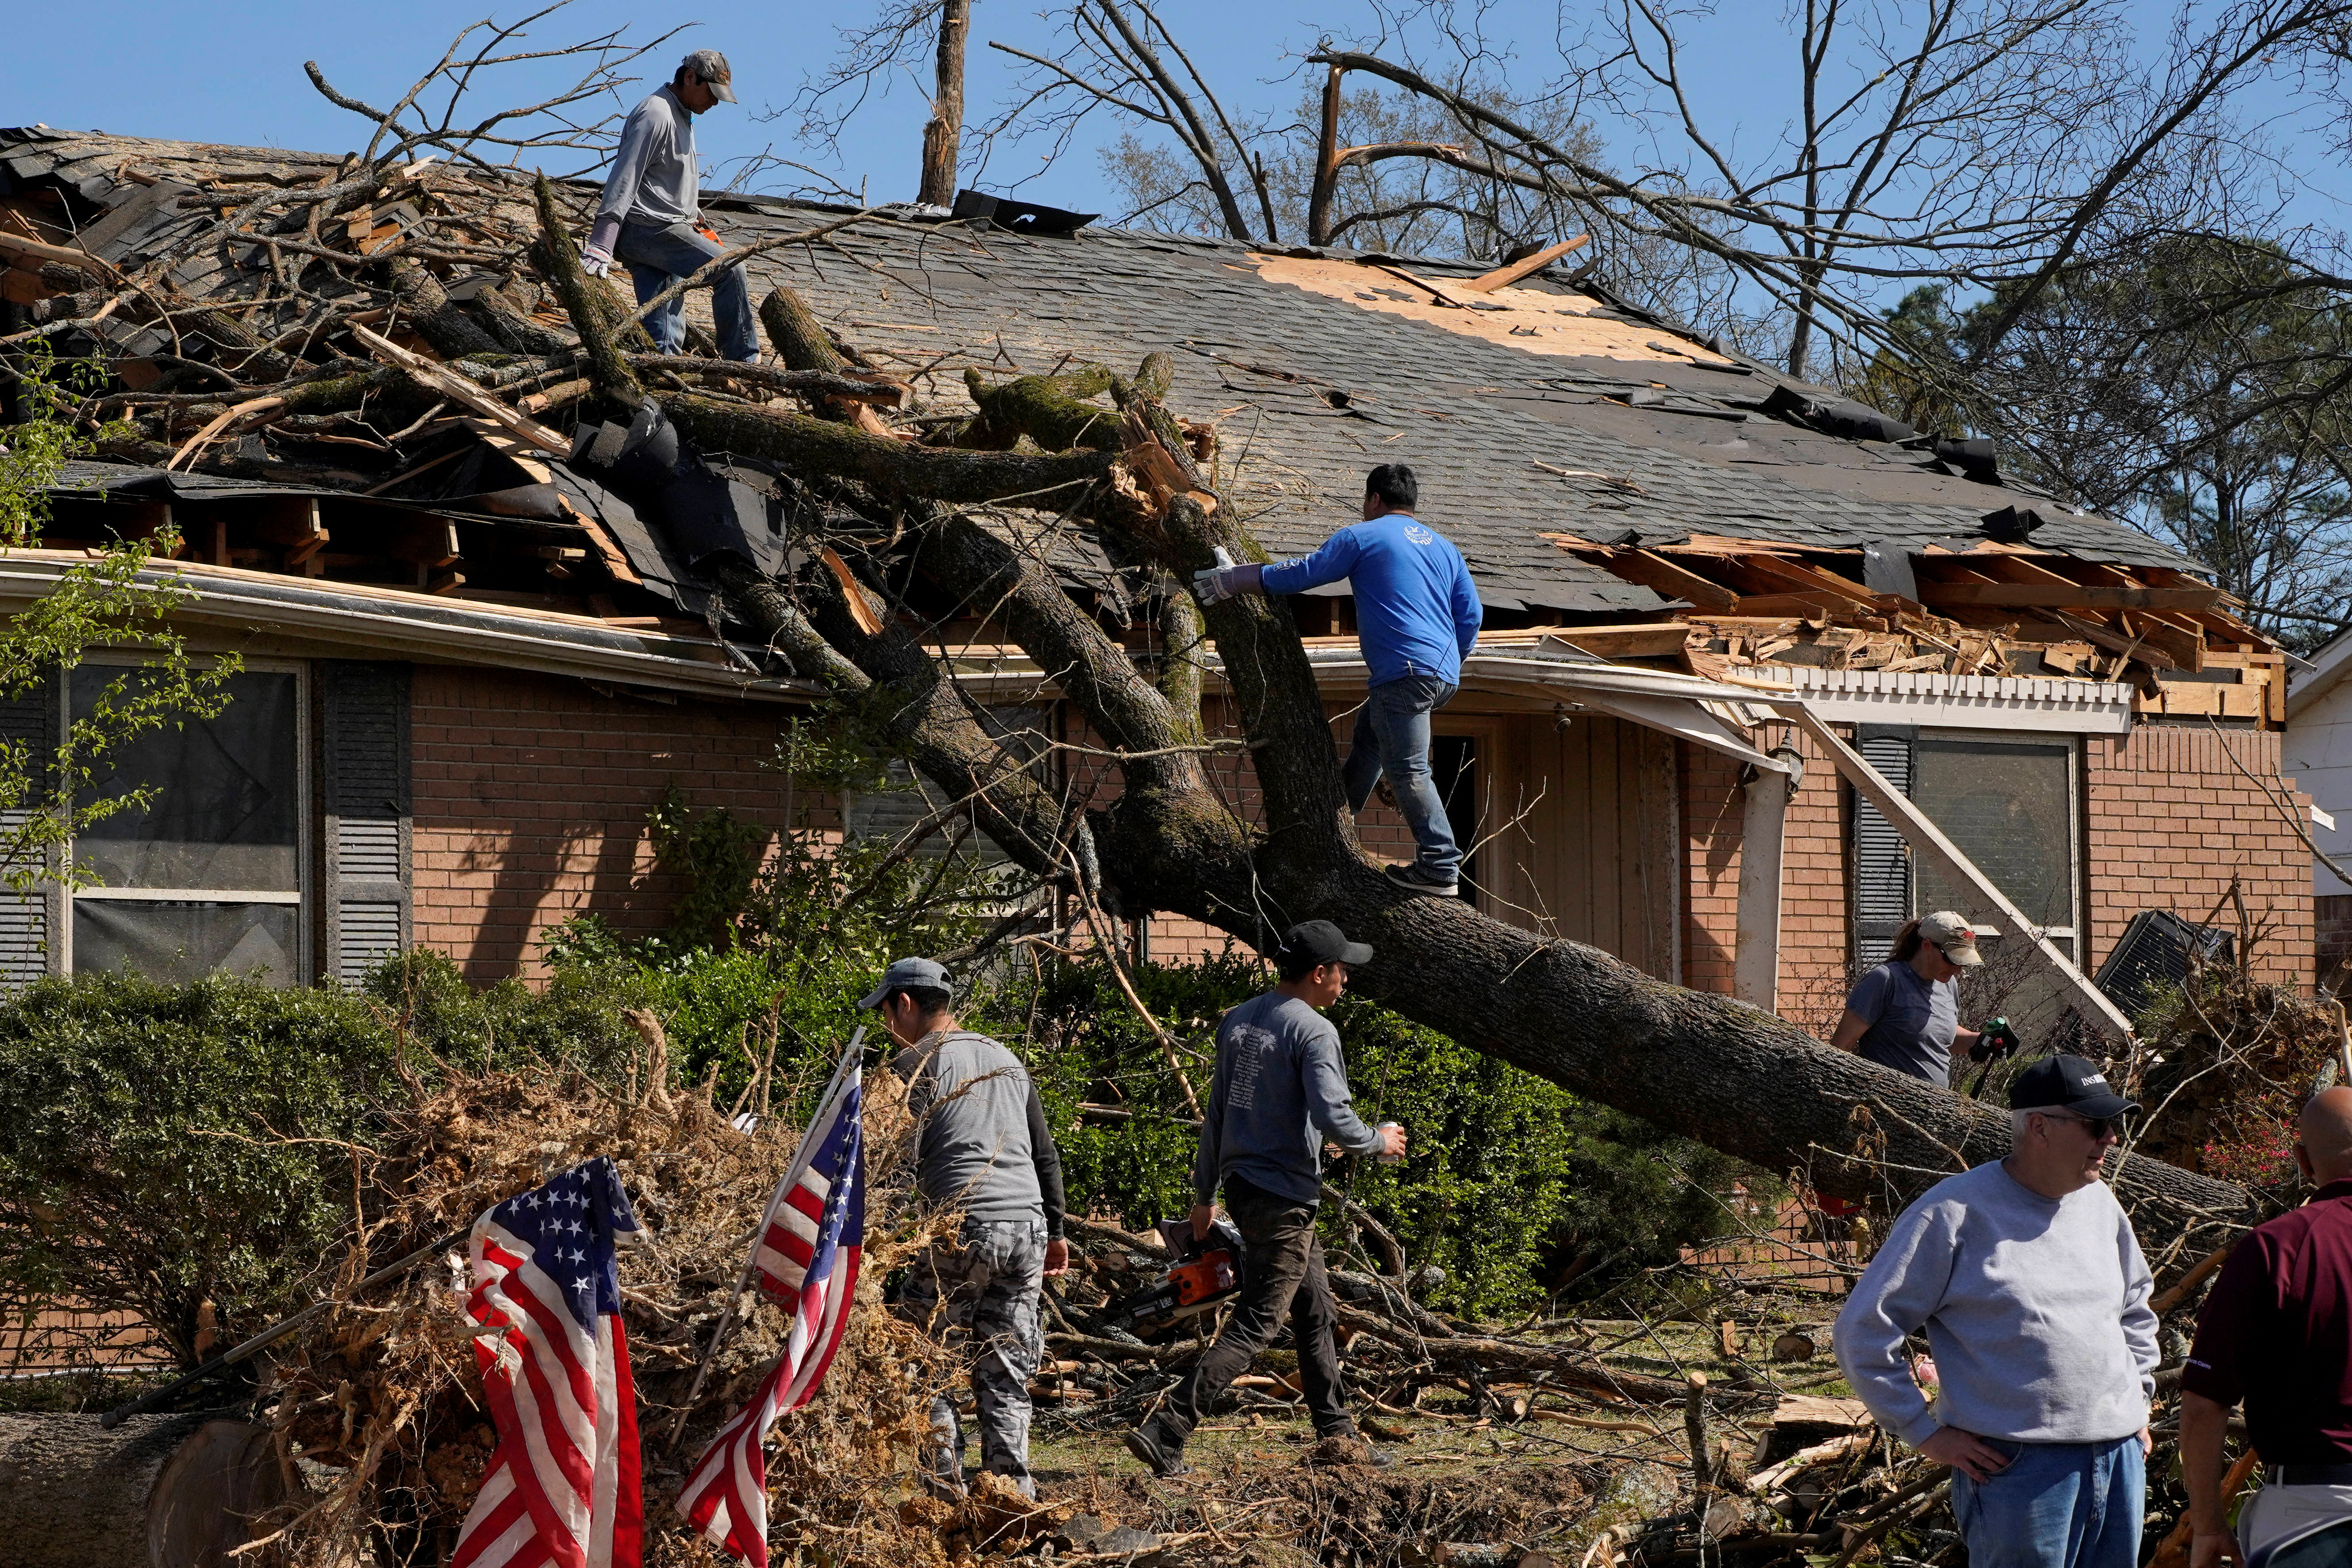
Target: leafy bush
{"x":162,"y":1146}
{"x":147,"y":1159}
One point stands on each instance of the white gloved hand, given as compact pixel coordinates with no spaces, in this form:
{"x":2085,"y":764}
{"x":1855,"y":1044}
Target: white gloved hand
{"x":1218,"y":584}
{"x":596,"y":262}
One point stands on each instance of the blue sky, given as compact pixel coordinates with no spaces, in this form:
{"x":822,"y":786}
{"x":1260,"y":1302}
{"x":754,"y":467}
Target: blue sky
{"x":234,"y":74}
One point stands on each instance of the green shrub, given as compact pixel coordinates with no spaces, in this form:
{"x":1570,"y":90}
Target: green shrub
{"x":145,"y":1154}
{"x":165,"y":1145}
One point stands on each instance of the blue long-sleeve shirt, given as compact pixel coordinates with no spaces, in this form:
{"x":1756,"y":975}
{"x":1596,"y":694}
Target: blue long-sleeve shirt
{"x":1281,"y":1089}
{"x":1417,"y":612}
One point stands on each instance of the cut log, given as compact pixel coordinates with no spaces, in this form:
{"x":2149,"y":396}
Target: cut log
{"x":167,"y":1491}
{"x":1812,"y":1410}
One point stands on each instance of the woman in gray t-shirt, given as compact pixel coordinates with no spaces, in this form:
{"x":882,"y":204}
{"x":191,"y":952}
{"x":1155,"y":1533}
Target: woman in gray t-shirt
{"x":1905,"y":1014}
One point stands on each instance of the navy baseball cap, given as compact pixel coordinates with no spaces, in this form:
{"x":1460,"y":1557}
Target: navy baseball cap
{"x":2067,"y":1083}
{"x":910,"y":975}
{"x":1322,"y":941}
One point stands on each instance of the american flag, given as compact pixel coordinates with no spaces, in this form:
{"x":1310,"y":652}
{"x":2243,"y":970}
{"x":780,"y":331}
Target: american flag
{"x":807,"y":1258}
{"x":562,"y":1487}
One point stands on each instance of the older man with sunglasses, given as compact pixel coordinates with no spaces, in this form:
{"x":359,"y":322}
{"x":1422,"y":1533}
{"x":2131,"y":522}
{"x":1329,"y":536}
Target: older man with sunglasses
{"x":2029,"y":1284}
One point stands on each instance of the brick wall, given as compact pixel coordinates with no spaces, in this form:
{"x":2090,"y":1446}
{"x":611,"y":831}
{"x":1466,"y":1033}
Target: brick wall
{"x":2172,"y":820}
{"x":532,"y":794}
{"x":1813,"y":883}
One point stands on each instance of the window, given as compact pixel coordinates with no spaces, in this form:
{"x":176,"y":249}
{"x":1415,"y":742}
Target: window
{"x":211,"y":874}
{"x":905,"y":800}
{"x":2009,"y":804}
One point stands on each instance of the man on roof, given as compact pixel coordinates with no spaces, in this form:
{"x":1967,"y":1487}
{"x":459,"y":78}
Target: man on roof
{"x":650,"y":219}
{"x":1417,"y":614}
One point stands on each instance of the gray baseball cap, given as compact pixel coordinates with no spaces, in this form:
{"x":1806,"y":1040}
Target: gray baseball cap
{"x":711,"y":67}
{"x":1952,"y":936}
{"x":910,"y":973}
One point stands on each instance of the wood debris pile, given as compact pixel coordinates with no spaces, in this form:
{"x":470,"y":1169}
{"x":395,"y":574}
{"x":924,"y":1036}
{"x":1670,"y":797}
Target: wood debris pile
{"x":1960,"y":608}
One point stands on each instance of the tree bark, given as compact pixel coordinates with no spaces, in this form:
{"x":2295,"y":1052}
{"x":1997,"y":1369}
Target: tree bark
{"x":890,"y":466}
{"x":800,"y":339}
{"x":170,"y":1492}
{"x":452,"y":333}
{"x":943,"y":134}
{"x":1325,"y":191}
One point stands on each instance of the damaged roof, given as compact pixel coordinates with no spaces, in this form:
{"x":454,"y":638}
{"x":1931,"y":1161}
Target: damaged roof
{"x":1554,"y":428}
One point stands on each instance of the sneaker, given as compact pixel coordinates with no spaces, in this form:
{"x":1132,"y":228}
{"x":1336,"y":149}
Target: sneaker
{"x":1411,"y":879}
{"x":1161,"y":1462}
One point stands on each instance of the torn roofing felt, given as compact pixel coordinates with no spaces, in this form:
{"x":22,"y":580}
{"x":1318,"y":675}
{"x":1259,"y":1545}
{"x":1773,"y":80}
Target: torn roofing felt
{"x":1541,"y":412}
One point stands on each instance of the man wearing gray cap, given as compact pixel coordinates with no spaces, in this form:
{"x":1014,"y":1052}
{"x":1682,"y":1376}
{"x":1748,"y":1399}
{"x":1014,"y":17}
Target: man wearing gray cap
{"x":982,"y":1149}
{"x":650,"y":219}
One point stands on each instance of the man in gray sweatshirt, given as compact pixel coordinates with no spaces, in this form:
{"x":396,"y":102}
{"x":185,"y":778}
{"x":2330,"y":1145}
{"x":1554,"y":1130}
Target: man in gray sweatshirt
{"x":982,"y":1151}
{"x":650,"y":215}
{"x":2033,"y":1294}
{"x":1281,"y":1089}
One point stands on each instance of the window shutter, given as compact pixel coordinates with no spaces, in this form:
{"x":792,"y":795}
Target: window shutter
{"x":1882,"y":859}
{"x":27,"y":919}
{"x":363,"y":740}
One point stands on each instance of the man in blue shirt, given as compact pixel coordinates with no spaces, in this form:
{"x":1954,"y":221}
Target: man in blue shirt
{"x":1416,"y":615}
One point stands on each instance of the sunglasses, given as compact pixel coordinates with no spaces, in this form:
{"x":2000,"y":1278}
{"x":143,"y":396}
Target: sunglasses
{"x":2098,"y":1127}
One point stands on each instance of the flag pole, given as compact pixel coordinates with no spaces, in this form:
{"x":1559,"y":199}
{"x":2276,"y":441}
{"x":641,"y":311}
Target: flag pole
{"x":743,"y":1280}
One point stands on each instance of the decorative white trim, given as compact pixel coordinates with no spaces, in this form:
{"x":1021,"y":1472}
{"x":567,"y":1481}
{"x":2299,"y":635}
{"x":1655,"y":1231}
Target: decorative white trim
{"x":1955,"y":702}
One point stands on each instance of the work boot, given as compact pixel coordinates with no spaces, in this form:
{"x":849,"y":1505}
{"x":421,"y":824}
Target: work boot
{"x":1413,"y":879}
{"x":1163,"y":1458}
{"x":1349,"y":1446}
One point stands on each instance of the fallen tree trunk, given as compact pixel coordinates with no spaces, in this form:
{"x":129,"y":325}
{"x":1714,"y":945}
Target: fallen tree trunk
{"x":1699,"y":1064}
{"x":168,"y":1492}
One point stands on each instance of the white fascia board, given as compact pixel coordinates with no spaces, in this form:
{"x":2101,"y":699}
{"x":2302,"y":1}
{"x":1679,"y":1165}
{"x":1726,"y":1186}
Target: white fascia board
{"x":1956,"y":701}
{"x":2304,"y":687}
{"x":380,"y":623}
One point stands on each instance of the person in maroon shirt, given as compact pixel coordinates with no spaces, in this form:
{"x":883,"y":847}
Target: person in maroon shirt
{"x":2277,"y":1332}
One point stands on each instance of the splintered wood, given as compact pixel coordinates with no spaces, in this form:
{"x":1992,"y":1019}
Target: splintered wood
{"x":1747,"y":606}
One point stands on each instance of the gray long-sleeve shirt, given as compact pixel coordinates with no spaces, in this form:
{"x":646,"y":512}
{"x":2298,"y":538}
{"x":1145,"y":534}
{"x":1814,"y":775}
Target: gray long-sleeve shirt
{"x":1280,"y":1079}
{"x":653,"y":178}
{"x":2036,"y":1312}
{"x":982,"y":1142}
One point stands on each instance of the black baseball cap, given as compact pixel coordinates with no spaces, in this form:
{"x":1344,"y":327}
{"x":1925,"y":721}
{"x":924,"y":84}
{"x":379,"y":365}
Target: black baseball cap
{"x":1322,"y":941}
{"x":2067,"y":1083}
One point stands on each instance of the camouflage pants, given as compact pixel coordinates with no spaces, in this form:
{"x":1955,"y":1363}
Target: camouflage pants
{"x":980,"y":1298}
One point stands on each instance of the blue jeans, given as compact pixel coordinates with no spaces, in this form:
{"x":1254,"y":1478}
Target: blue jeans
{"x":658,"y":257}
{"x":1393,"y":738}
{"x":2058,"y":1505}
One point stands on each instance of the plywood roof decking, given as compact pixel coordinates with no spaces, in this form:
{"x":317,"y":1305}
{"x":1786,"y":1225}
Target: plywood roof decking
{"x":1530,"y":321}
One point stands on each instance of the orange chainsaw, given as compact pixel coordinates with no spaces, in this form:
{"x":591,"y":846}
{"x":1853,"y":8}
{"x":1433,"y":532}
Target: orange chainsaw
{"x":1205,"y":1273}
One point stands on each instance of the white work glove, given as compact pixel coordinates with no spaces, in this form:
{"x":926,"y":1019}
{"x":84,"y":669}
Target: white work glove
{"x":595,"y":261}
{"x":1218,"y":584}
